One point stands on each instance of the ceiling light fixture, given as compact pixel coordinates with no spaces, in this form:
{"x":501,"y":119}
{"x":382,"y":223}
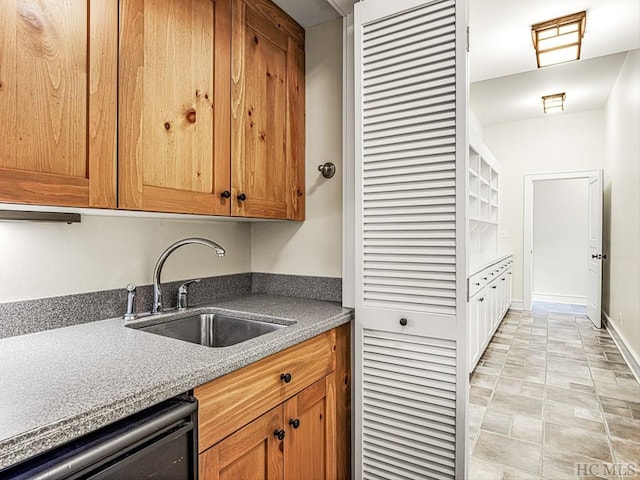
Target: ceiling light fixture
{"x":558,"y":40}
{"x":553,"y":103}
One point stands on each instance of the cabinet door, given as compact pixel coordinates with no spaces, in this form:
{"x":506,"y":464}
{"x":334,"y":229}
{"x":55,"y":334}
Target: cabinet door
{"x":58,"y":63}
{"x":252,"y":453}
{"x":174,"y":147}
{"x":310,"y":424}
{"x":268,"y":125}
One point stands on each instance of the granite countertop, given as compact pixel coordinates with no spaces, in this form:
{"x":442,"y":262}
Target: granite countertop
{"x":59,"y":384}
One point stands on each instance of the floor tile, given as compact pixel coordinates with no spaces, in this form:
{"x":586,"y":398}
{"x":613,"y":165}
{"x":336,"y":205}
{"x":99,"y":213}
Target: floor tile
{"x":483,"y":470}
{"x":574,"y":440}
{"x":627,"y":453}
{"x":497,"y":421}
{"x":508,"y":451}
{"x":572,"y":397}
{"x":527,"y":428}
{"x":623,"y":428}
{"x":516,"y":404}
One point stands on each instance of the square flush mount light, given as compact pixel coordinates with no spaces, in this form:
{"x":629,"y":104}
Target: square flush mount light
{"x":553,"y":103}
{"x":558,"y":40}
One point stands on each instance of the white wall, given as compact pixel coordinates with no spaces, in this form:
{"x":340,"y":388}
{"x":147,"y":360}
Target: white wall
{"x":560,"y":240}
{"x":44,"y":259}
{"x":314,"y":247}
{"x":621,"y":296}
{"x":557,"y":143}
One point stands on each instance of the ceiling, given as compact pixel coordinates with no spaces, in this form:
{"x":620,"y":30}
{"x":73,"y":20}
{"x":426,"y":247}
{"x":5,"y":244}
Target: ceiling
{"x":507,"y":85}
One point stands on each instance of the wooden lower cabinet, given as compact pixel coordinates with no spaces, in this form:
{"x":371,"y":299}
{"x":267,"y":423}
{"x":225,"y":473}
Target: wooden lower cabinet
{"x":295,"y":440}
{"x":252,"y":453}
{"x":303,"y":433}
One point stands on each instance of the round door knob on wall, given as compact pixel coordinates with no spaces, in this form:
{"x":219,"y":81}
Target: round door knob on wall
{"x":328,"y":170}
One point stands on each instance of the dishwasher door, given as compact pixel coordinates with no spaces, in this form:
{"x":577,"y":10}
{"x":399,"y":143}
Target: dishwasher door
{"x":159,"y":443}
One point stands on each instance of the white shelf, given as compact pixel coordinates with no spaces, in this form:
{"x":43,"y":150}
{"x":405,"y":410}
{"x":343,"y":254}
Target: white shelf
{"x":483,"y":200}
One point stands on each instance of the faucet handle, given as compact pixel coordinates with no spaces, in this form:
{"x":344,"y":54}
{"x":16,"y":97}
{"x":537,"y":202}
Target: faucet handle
{"x":131,"y":302}
{"x":183,"y":293}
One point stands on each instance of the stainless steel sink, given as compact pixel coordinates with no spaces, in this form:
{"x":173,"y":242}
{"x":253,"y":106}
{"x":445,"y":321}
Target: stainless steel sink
{"x":212,"y":329}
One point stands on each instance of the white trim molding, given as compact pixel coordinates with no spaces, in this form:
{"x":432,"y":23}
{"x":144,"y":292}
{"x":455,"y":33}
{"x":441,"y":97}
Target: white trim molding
{"x":631,"y":357}
{"x":558,"y":298}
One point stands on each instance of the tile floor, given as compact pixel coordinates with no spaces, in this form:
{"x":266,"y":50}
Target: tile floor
{"x":552,"y":398}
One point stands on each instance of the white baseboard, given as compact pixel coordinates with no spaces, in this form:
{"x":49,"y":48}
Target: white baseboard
{"x":630,"y":356}
{"x":516,"y":305}
{"x":556,"y":298}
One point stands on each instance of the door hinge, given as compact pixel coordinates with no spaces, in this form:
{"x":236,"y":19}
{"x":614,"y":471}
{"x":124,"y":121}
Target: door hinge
{"x":467,"y":38}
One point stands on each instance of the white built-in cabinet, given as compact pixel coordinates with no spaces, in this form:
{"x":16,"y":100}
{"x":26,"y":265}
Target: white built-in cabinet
{"x":489,"y":272}
{"x":490,"y":290}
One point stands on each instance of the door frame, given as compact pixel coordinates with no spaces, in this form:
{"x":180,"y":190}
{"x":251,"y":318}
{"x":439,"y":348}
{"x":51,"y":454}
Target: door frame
{"x":527,"y":257}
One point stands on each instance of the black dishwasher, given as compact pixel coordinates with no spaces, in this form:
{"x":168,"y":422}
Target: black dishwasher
{"x":158,"y":443}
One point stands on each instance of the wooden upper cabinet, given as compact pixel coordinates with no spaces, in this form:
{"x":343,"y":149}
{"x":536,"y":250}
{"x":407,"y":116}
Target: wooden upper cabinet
{"x":58,"y":92}
{"x":174,"y":119}
{"x":267,"y":108}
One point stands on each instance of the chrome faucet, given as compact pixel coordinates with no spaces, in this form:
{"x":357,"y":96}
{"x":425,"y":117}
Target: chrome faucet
{"x":157,"y":271}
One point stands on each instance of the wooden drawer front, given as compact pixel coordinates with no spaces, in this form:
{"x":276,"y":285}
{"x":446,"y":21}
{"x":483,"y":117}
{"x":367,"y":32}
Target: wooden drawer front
{"x":230,"y":402}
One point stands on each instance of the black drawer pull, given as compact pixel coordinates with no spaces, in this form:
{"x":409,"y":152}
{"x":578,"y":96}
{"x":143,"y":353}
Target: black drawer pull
{"x":242,"y":197}
{"x":226,"y":194}
{"x":403,"y":322}
{"x":279,"y":434}
{"x":294,"y":422}
{"x":285,"y":377}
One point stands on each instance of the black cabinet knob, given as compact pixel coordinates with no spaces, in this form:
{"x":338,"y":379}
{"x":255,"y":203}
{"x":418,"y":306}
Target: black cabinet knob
{"x":279,"y":434}
{"x":226,"y":194}
{"x":484,"y":278}
{"x":285,"y":377}
{"x":494,"y":286}
{"x":481,"y":299}
{"x":477,"y":284}
{"x":294,"y":422}
{"x":504,"y":278}
{"x":242,"y":197}
{"x":403,"y":322}
{"x":594,"y":256}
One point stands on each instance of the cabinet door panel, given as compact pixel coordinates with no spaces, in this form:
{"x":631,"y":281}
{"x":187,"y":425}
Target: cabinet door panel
{"x":267,"y":112}
{"x":175,"y":86}
{"x":311,"y":448}
{"x":252,"y":453}
{"x":58,"y":94}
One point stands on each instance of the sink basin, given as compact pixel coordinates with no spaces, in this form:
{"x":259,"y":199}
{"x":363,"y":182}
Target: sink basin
{"x":212,"y":329}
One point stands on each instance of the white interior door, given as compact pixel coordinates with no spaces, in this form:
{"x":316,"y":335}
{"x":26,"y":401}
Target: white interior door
{"x":595,"y":250}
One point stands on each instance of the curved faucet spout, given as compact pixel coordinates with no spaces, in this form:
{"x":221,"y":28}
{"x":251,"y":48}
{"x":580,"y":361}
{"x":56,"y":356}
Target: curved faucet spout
{"x":157,"y":271}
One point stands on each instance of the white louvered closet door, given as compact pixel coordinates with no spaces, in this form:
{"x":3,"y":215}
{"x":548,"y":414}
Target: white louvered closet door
{"x":410,"y":127}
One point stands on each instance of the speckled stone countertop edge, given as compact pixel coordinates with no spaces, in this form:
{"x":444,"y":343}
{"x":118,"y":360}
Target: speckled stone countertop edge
{"x":30,"y":443}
